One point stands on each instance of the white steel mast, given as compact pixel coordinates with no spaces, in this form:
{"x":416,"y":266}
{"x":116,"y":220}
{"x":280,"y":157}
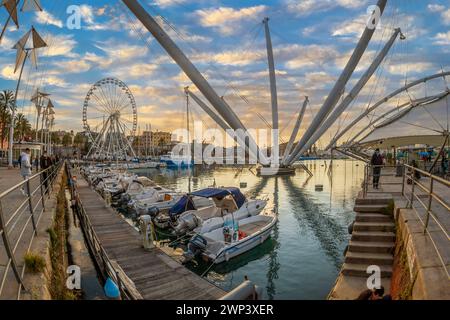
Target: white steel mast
{"x":338,"y":88}
{"x":194,"y":75}
{"x":275,"y":153}
{"x":381,"y":102}
{"x":352,"y":95}
{"x":288,"y":149}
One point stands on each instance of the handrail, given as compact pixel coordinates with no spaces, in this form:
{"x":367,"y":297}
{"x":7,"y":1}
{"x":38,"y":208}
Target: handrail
{"x":34,"y":200}
{"x":426,"y":198}
{"x":103,"y":262}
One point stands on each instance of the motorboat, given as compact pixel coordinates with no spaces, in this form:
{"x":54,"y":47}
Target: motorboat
{"x":234,"y":238}
{"x":228,"y":202}
{"x":176,"y":161}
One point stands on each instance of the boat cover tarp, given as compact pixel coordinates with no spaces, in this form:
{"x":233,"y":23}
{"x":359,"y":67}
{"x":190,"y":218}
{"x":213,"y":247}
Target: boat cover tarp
{"x":184,"y":204}
{"x":221,"y":192}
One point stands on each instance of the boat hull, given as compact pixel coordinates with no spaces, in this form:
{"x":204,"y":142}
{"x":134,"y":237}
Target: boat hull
{"x":240,"y":247}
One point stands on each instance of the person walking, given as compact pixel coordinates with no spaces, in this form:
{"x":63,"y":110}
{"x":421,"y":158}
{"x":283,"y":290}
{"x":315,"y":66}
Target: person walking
{"x":376,"y":162}
{"x":25,"y":168}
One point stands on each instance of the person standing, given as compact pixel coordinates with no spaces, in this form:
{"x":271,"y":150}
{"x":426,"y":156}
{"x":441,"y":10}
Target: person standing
{"x":45,"y":164}
{"x":25,"y":168}
{"x":376,"y":162}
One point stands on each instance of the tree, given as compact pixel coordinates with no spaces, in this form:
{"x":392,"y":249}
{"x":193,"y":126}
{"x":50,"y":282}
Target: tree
{"x":55,"y":138}
{"x":6,"y":106}
{"x":79,"y":140}
{"x":22,"y":127}
{"x":67,"y":140}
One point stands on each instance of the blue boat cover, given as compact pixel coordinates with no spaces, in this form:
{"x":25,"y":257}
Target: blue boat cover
{"x":186,"y":203}
{"x":221,"y":192}
{"x":182,"y":205}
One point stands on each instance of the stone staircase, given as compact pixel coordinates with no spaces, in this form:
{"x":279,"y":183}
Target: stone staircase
{"x":373,"y":238}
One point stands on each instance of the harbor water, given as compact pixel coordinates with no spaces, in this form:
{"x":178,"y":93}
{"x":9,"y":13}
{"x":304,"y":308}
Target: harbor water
{"x":302,"y":258}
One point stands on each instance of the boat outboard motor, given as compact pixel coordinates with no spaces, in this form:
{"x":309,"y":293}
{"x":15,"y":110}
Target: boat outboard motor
{"x":195,"y":247}
{"x":186,"y":223}
{"x":153,"y":211}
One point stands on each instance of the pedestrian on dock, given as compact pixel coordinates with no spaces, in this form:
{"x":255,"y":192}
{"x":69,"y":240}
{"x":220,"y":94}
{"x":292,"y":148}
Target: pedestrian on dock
{"x":25,"y":168}
{"x":376,"y":162}
{"x":45,"y":164}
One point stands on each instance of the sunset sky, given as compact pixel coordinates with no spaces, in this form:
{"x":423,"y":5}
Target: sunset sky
{"x":312,"y":40}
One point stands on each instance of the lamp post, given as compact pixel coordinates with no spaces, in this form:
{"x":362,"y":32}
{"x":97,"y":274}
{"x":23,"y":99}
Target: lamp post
{"x":23,"y":53}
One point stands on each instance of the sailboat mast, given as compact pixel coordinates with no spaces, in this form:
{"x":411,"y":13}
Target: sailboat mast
{"x":273,"y":94}
{"x":338,"y":88}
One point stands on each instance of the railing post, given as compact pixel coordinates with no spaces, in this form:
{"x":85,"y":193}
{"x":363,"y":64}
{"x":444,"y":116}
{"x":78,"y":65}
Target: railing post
{"x":119,"y":284}
{"x":30,"y":205}
{"x":9,"y":252}
{"x":430,"y":199}
{"x":41,"y":175}
{"x":403,"y":180}
{"x":413,"y":183}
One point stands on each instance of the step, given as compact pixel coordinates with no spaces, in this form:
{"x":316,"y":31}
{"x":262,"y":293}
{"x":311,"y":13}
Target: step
{"x":372,"y":217}
{"x":383,"y":200}
{"x":360,"y":270}
{"x":372,"y":247}
{"x":376,"y":236}
{"x":369,"y":258}
{"x":374,"y":226}
{"x":370,"y":208}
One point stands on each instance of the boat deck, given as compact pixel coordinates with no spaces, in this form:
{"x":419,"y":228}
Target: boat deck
{"x":253,"y":227}
{"x":156,"y":275}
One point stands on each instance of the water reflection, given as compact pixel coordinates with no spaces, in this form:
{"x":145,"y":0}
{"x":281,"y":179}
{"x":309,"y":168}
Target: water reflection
{"x":303,"y":256}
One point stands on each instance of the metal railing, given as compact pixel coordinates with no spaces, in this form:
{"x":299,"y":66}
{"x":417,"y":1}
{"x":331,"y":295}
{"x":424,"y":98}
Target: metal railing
{"x":431,"y":197}
{"x":103,"y":263}
{"x":16,"y":212}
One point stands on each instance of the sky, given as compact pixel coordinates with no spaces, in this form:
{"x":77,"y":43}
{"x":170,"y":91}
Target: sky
{"x":312,"y":41}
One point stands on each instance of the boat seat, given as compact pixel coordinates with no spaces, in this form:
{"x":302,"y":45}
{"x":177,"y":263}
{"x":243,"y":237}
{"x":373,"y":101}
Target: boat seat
{"x":208,"y":212}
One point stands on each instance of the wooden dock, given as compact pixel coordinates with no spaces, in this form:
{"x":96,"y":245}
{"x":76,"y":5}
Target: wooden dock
{"x":155,"y":274}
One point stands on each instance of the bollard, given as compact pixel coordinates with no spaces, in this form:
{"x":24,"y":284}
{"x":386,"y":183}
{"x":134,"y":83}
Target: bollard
{"x":146,"y":227}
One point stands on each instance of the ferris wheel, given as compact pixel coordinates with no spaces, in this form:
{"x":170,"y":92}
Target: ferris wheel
{"x":110,"y":120}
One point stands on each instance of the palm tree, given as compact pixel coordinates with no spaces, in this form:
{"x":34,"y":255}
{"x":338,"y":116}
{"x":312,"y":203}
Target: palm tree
{"x":6,"y":106}
{"x":22,"y":127}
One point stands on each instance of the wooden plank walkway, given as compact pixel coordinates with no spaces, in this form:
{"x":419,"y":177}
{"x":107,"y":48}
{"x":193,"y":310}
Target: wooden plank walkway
{"x":155,"y":275}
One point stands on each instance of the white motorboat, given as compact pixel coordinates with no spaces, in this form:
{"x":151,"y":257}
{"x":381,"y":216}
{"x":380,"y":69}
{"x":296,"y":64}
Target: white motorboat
{"x":234,"y":238}
{"x":227,"y":202}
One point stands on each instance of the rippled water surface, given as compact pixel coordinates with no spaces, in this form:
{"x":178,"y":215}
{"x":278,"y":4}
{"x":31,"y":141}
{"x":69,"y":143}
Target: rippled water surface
{"x":303,"y":256}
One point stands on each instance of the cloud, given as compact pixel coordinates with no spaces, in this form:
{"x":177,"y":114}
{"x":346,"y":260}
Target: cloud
{"x":182,"y":33}
{"x":168,"y":3}
{"x":442,"y":39}
{"x":435,"y":8}
{"x":228,"y":20}
{"x":444,"y":12}
{"x":304,"y":56}
{"x":307,"y":7}
{"x":412,"y":67}
{"x":44,"y":17}
{"x":60,"y":45}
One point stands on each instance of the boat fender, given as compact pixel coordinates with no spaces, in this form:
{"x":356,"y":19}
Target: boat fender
{"x":261,"y":240}
{"x":350,"y":227}
{"x":227,"y":256}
